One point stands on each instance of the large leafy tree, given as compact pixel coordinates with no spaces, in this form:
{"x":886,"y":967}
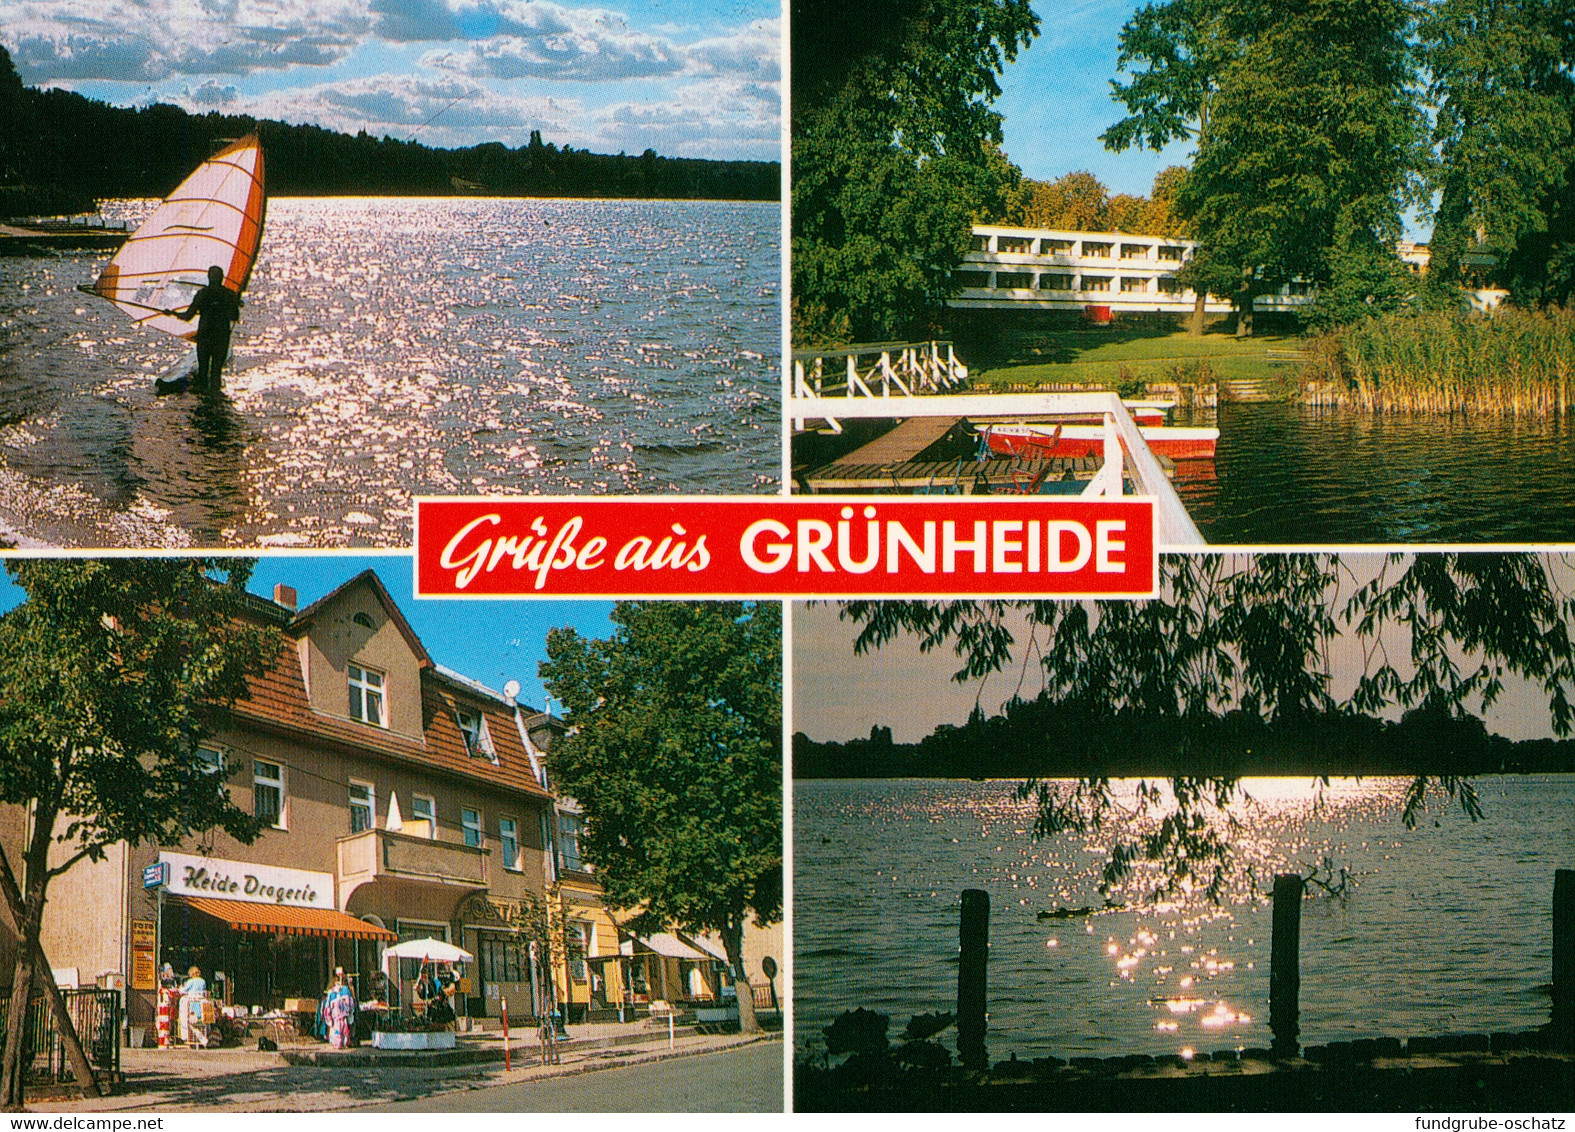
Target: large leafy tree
{"x":114,"y":671}
{"x":1312,"y":143}
{"x":1250,"y":634}
{"x":674,"y":752}
{"x":1504,"y":102}
{"x":895,"y":154}
{"x":1308,"y":136}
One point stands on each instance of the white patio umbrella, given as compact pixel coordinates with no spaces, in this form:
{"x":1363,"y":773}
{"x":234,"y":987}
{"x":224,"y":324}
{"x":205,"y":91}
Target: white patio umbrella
{"x":434,"y":949}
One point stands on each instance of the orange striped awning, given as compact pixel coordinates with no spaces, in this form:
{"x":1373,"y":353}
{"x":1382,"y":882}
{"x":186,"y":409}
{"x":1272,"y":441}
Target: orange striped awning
{"x":279,"y":919}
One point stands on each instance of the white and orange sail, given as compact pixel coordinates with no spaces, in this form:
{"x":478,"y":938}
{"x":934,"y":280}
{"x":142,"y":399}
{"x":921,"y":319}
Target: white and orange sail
{"x":213,"y":218}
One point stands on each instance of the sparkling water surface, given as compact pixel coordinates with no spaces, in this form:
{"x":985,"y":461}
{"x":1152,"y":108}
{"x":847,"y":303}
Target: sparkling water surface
{"x":396,"y":347}
{"x":1289,"y":474}
{"x":1445,"y":928}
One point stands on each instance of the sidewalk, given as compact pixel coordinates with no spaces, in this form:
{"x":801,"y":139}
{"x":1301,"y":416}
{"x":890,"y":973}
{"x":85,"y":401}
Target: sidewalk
{"x":319,"y":1079}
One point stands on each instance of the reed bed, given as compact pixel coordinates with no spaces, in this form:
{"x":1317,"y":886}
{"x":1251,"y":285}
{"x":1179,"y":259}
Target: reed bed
{"x":1511,"y":362}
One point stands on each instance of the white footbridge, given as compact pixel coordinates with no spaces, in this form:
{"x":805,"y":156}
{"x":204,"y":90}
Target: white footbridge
{"x":905,"y":380}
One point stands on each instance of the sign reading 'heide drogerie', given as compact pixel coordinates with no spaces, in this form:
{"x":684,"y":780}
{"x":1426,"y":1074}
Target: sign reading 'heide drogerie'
{"x":769,"y":546}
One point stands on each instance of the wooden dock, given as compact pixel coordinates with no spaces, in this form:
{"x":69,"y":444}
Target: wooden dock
{"x":919,"y":455}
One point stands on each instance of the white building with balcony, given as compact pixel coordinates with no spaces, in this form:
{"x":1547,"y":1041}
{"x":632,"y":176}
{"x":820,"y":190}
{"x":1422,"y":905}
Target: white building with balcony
{"x":1054,"y":269}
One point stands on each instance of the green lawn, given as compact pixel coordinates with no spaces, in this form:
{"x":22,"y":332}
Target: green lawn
{"x":1112,"y":356}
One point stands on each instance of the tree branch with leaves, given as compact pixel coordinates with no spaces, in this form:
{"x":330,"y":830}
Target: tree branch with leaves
{"x":1436,"y":633}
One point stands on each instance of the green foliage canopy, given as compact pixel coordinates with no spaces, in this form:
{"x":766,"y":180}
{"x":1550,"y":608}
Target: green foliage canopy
{"x":894,"y":156}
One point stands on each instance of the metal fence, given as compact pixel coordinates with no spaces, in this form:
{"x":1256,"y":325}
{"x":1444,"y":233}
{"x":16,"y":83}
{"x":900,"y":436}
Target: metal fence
{"x":95,"y":1013}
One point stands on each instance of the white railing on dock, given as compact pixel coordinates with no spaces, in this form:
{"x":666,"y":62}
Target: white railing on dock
{"x":877,"y":369}
{"x":1125,"y":451}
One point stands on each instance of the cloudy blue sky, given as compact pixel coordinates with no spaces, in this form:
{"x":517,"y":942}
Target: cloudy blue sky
{"x":692,"y":78}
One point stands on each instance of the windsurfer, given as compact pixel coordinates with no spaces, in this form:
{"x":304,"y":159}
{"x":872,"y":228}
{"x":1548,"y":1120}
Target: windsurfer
{"x":215,"y":307}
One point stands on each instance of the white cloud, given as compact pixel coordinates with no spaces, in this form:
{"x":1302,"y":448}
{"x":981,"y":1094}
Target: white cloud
{"x":544,"y":40}
{"x":714,"y":118}
{"x":210,"y":94}
{"x":459,"y":112}
{"x":152,"y":40}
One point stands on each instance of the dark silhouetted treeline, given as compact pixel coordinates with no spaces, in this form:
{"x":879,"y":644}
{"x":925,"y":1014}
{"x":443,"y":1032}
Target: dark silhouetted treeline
{"x":1044,"y":738}
{"x":60,"y":151}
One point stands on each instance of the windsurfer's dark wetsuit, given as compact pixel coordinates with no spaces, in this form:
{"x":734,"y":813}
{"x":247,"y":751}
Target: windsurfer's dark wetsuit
{"x":218,"y":307}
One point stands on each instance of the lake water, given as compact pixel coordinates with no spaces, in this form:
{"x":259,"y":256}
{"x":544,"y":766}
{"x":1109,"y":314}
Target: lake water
{"x":1446,"y":928}
{"x":396,"y":347}
{"x":1289,"y":474}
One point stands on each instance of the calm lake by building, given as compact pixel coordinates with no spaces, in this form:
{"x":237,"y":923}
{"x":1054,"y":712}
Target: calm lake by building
{"x":397,"y":347}
{"x":1446,"y":928}
{"x":1288,"y":474}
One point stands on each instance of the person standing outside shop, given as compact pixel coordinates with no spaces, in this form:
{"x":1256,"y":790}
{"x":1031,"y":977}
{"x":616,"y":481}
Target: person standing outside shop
{"x":215,"y":307}
{"x":193,"y":992}
{"x":339,"y":1010}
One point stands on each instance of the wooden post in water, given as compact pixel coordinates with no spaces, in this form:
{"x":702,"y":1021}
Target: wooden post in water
{"x":1564,"y":958}
{"x":973,"y":955}
{"x":1285,"y":977}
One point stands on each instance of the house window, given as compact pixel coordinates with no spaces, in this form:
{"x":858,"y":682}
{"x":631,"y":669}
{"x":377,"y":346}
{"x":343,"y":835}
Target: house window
{"x":1055,"y":247}
{"x":210,"y":760}
{"x":363,"y":806}
{"x":503,"y":958}
{"x":569,"y":842}
{"x":1134,"y":251}
{"x":579,"y":948}
{"x":1096,"y":282}
{"x":1096,"y":251}
{"x":423,"y":808}
{"x":1011,"y":280}
{"x":1131,"y":284}
{"x":474,"y":726}
{"x":366,"y":696}
{"x":1169,"y":286}
{"x":509,"y":839}
{"x":971,"y":278}
{"x":1055,"y":282}
{"x":981,"y":243}
{"x":268,"y":793}
{"x":471,"y":820}
{"x":1015,"y":245}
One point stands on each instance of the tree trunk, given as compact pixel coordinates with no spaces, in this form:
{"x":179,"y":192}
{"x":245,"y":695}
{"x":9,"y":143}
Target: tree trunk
{"x":14,"y":1066}
{"x":733,"y":944}
{"x":1195,"y":324}
{"x":1244,"y":308}
{"x":28,"y":915}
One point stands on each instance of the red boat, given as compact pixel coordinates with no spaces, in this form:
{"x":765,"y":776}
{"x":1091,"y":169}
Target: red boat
{"x":1069,"y":440}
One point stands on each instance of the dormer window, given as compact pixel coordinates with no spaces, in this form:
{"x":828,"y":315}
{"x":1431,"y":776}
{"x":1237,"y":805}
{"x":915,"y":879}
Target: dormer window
{"x":364,"y":620}
{"x":473,"y":725}
{"x":366,"y":696}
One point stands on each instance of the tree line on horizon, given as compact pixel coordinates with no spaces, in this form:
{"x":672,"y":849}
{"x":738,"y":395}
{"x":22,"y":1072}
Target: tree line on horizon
{"x":60,"y":152}
{"x":1048,"y":738}
{"x":1315,"y":127}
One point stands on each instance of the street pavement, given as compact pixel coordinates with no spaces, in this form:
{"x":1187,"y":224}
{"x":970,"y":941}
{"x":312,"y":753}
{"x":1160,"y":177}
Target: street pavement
{"x":738,"y":1079}
{"x":249,"y":1080}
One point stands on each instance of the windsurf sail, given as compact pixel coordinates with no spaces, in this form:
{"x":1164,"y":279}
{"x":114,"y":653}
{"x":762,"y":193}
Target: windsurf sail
{"x":213,"y":218}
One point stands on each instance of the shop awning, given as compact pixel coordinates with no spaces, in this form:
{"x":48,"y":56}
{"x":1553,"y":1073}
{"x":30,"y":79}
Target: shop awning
{"x":671,"y":947}
{"x":279,"y":919}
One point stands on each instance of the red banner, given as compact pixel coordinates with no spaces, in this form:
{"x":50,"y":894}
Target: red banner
{"x":773,"y":547}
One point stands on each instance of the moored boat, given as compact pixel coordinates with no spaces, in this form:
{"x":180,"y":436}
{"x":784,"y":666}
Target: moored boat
{"x":1178,"y":443}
